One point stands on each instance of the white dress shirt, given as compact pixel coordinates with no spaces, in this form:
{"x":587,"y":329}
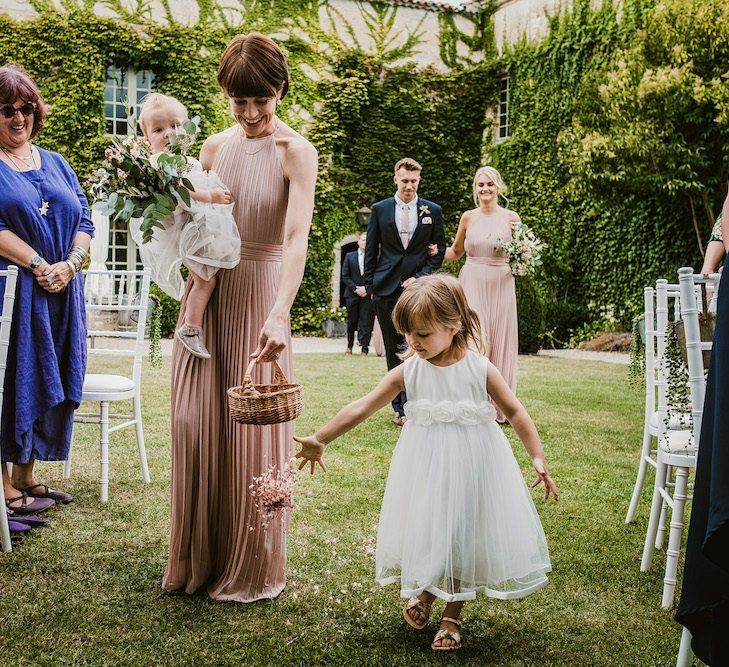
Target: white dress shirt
{"x":360,"y":259}
{"x":413,"y":206}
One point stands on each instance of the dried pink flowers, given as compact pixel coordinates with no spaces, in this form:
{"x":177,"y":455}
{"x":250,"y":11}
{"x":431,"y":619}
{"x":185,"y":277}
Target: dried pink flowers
{"x":273,"y":491}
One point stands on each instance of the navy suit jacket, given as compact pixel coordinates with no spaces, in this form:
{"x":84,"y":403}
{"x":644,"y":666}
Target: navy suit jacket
{"x":351,"y":276}
{"x":387,"y":263}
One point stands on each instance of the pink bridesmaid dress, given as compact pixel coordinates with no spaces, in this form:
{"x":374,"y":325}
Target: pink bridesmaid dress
{"x":487,"y":280}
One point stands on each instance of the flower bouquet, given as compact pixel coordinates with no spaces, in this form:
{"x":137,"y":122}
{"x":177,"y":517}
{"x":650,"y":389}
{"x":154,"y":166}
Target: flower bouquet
{"x":134,"y":183}
{"x":524,"y":250}
{"x":273,"y":491}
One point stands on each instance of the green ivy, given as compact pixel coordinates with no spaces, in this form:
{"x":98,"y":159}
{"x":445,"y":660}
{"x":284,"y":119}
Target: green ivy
{"x":593,"y":106}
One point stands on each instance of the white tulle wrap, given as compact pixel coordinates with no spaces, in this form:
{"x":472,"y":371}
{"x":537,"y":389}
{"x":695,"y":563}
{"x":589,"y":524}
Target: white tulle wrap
{"x":204,"y":237}
{"x":457,"y":518}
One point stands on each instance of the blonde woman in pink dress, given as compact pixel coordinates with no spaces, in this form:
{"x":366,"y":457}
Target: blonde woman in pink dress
{"x":486,"y":277}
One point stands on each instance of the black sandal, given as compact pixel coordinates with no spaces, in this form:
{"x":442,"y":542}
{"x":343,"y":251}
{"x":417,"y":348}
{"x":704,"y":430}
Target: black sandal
{"x":48,"y":492}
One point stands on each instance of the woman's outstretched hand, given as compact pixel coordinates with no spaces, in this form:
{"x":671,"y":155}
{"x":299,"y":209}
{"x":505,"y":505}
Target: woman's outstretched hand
{"x":312,"y":451}
{"x":540,"y":465}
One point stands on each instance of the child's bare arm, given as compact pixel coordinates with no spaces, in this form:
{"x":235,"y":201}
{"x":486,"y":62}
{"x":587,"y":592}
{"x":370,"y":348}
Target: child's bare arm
{"x":312,"y":447}
{"x":212,"y":196}
{"x":523,"y":425}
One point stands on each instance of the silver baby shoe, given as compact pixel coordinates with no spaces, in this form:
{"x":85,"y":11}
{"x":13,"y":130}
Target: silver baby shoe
{"x":192,"y":339}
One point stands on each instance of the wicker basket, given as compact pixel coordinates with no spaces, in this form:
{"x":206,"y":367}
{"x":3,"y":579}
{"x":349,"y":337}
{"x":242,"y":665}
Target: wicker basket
{"x":265,"y":403}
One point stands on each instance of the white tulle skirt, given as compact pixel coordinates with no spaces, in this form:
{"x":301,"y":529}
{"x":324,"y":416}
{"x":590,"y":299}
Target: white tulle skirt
{"x":457,"y":518}
{"x":203,"y":237}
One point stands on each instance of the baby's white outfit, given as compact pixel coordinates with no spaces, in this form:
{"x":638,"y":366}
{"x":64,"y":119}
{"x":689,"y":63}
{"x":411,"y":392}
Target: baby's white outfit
{"x":457,"y":517}
{"x":203,"y":236}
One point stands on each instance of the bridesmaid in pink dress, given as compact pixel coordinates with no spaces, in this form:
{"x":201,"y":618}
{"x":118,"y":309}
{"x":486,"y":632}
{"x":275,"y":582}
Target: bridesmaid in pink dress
{"x":486,"y":277}
{"x":217,"y":540}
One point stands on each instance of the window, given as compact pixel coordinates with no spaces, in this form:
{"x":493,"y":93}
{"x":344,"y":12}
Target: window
{"x":503,"y":111}
{"x":124,"y":87}
{"x":123,"y":253}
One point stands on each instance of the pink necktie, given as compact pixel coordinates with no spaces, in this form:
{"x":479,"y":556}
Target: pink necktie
{"x":405,"y":226}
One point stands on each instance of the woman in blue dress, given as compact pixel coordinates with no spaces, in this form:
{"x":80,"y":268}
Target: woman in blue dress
{"x":46,"y":230}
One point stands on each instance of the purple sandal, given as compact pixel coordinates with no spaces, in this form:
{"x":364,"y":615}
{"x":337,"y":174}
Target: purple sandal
{"x":28,"y":519}
{"x":36,"y":507}
{"x":47,"y":492}
{"x":18,"y":528}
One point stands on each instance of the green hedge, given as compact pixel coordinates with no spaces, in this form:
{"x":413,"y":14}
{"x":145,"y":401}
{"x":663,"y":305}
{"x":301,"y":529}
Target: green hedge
{"x":609,"y":165}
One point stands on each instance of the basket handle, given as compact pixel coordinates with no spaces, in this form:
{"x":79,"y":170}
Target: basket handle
{"x":248,"y":387}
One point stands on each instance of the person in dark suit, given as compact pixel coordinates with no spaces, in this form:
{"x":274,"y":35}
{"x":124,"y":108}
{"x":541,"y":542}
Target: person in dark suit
{"x":360,"y":312}
{"x":396,"y":254}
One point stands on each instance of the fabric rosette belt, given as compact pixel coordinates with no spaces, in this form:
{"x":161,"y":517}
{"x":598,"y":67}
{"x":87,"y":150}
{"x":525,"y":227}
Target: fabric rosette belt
{"x":468,"y":413}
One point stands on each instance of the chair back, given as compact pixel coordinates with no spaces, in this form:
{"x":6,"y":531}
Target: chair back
{"x":6,"y":322}
{"x":692,"y":305}
{"x":649,"y":323}
{"x":118,"y":312}
{"x":668,"y":305}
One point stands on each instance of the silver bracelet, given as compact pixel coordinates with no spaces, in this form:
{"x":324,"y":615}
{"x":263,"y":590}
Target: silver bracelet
{"x":74,"y":270}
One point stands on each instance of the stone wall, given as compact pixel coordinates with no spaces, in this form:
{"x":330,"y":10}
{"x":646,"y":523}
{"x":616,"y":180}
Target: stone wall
{"x":513,"y":18}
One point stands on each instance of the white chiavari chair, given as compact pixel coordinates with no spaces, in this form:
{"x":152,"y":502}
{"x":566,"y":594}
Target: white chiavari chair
{"x":659,"y":304}
{"x":677,"y":456}
{"x":6,"y":322}
{"x":110,"y":321}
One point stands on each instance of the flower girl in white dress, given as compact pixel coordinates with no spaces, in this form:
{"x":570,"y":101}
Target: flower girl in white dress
{"x":203,"y":236}
{"x":457,"y":518}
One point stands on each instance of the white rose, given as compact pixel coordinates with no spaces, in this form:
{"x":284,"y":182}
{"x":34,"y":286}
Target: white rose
{"x":469,"y":414}
{"x":443,"y":412}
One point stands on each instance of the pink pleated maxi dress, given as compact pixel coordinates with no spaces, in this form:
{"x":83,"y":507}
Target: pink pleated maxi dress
{"x":487,"y":280}
{"x":217,"y":540}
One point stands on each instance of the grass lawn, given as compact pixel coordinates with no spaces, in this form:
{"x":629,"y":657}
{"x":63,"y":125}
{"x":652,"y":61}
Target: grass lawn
{"x":86,"y":591}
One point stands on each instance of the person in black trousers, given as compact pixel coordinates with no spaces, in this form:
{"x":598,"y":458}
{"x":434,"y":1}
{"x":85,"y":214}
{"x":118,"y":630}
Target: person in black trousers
{"x":396,"y":254}
{"x":704,"y":605}
{"x":360,"y":312}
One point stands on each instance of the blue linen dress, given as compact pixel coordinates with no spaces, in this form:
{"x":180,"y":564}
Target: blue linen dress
{"x":47,"y":354}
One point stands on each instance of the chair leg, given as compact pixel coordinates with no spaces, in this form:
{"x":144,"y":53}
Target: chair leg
{"x":139,"y":429}
{"x":638,"y":488}
{"x":5,"y":541}
{"x":650,"y":536}
{"x":67,"y":462}
{"x":674,"y":538}
{"x":104,"y":450}
{"x":685,"y":654}
{"x":664,"y":510}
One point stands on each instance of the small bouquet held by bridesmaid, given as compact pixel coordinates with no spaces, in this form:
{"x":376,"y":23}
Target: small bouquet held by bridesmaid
{"x":524,"y":250}
{"x":132,"y":182}
{"x":273,"y":491}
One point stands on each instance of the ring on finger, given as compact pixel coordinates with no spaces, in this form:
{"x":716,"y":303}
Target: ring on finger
{"x":51,"y":278}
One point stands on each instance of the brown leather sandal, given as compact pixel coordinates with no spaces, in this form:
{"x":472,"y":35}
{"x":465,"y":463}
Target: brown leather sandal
{"x":444,"y":633}
{"x":422,"y":607}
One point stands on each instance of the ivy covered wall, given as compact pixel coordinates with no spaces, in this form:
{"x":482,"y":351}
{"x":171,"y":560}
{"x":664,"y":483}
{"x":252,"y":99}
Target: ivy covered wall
{"x":362,"y":111}
{"x":618,"y":149}
{"x":618,"y":125}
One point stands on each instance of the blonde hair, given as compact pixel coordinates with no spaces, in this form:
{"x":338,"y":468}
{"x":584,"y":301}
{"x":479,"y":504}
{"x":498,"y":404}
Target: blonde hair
{"x":438,"y":300}
{"x":155,"y":101}
{"x":495,"y":176}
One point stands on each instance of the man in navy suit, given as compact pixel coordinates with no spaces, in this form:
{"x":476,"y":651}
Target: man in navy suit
{"x":396,"y":254}
{"x":360,"y":312}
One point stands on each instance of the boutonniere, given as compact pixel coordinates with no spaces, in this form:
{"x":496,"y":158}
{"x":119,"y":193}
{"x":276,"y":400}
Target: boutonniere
{"x":424,"y":210}
{"x":427,"y":221}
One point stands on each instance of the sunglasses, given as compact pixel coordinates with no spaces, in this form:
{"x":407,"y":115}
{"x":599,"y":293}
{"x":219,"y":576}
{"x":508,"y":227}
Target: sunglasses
{"x":27,"y":108}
